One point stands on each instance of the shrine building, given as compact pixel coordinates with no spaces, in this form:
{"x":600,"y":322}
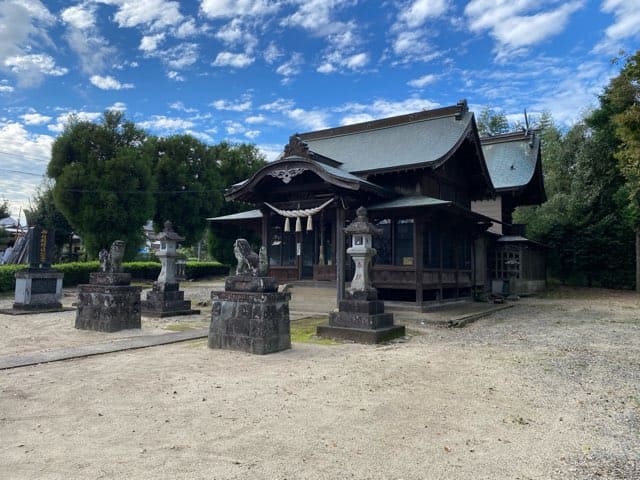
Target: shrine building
{"x":442,"y":196}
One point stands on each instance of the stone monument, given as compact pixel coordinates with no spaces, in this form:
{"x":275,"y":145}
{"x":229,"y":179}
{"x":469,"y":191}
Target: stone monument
{"x":109,"y":303}
{"x":250,"y":315}
{"x":38,"y":287}
{"x":166,"y":299}
{"x":360,"y":316}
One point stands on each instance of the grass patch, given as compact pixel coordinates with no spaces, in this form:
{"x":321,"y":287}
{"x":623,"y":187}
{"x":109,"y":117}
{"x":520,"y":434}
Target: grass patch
{"x":304,"y":331}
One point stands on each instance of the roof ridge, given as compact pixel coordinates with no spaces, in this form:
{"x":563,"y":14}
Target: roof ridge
{"x":453,"y":110}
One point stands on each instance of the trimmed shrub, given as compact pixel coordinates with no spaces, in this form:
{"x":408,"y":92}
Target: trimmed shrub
{"x":76,"y":273}
{"x":7,"y":277}
{"x":195,"y":270}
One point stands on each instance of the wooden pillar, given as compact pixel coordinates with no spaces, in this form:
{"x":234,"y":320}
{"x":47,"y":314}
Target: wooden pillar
{"x":340,"y":252}
{"x":265,"y":227}
{"x":418,"y":255}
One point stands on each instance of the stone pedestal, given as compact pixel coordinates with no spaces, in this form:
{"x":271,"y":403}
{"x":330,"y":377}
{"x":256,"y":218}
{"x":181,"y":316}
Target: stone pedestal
{"x":361,"y":318}
{"x":166,"y":300}
{"x":109,"y":303}
{"x":250,"y":316}
{"x":38,"y":289}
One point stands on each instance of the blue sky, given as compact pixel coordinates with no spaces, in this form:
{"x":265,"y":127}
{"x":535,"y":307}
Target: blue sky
{"x":260,"y":70}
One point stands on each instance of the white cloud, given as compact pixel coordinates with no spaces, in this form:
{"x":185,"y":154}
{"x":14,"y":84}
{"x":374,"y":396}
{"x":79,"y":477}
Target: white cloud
{"x":30,"y":68}
{"x":279,"y":105}
{"x":35,"y":119}
{"x":6,"y":89}
{"x":357,"y":61}
{"x":235,"y":60}
{"x":118,"y":106}
{"x":252,"y":134}
{"x":85,"y":40}
{"x":153,"y":14}
{"x":326,"y":67}
{"x":307,"y":119}
{"x":517,"y":25}
{"x":625,"y":26}
{"x":422,"y":81}
{"x":175,"y":76}
{"x":149,"y":43}
{"x":23,"y":34}
{"x":235,"y":34}
{"x":80,"y":16}
{"x":358,"y":112}
{"x":181,"y":107}
{"x":291,"y":67}
{"x":238,"y":8}
{"x":234,"y":128}
{"x":166,"y":124}
{"x":255,"y":119}
{"x":26,"y":152}
{"x":272,"y":53}
{"x":109,"y":83}
{"x":270,"y":151}
{"x":242,"y":105}
{"x":416,"y":13}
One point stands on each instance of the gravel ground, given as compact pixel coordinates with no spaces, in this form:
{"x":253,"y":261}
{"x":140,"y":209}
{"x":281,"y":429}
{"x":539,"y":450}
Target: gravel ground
{"x":547,"y":389}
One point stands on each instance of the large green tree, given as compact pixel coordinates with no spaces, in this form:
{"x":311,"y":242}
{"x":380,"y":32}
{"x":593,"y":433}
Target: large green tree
{"x":237,"y":162}
{"x":491,"y":122}
{"x":585,"y":221}
{"x":189,"y":185}
{"x":103,"y":180}
{"x":623,"y":94}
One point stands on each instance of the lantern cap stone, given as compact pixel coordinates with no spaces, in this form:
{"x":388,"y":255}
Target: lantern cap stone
{"x":167,"y":234}
{"x":362,"y":226}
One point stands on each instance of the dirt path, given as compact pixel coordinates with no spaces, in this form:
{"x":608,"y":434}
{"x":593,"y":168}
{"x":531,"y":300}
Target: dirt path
{"x":547,"y":389}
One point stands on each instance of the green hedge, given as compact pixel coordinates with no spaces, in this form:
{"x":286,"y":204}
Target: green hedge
{"x":78,"y":272}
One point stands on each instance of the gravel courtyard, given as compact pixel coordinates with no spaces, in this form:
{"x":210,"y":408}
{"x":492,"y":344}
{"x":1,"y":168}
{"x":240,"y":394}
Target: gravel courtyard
{"x":548,"y":389}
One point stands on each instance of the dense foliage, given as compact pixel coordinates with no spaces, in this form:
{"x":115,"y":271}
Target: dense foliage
{"x":78,"y":272}
{"x":591,"y":182}
{"x":43,"y":212}
{"x":237,"y":163}
{"x":189,"y":185}
{"x":103,"y":181}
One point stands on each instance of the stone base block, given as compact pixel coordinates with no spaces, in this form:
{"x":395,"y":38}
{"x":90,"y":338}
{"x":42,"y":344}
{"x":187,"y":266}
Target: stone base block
{"x":108,"y":308}
{"x":253,"y":322}
{"x":166,"y":300}
{"x":361,"y":335}
{"x":360,"y":320}
{"x":105,"y":278}
{"x":239,"y":283}
{"x":38,"y":289}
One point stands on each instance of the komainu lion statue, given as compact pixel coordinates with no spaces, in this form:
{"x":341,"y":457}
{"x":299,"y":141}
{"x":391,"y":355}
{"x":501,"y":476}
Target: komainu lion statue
{"x":111,"y":261}
{"x":250,"y":262}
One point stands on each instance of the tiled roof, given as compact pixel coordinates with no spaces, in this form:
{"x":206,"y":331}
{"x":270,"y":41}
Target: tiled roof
{"x":511,"y":159}
{"x":383,"y":146}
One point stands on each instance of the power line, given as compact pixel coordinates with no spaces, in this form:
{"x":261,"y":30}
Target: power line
{"x":20,"y":171}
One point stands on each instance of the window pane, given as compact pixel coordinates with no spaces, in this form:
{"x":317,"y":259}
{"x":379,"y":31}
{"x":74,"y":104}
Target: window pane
{"x":383,"y":243}
{"x":432,"y":248}
{"x":403,"y":251}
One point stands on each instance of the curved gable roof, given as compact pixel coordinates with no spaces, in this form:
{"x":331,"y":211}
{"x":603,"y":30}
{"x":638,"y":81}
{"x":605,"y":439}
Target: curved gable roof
{"x":292,"y":166}
{"x":418,"y":139}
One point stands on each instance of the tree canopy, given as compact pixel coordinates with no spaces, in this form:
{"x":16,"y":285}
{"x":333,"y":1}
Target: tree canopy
{"x":189,"y":185}
{"x":236,"y":162}
{"x":43,"y":212}
{"x":590,"y":176}
{"x":103,"y":181}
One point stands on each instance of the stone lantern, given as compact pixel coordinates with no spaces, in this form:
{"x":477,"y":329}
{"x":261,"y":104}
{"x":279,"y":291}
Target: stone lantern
{"x":360,"y":316}
{"x":165,"y":298}
{"x":361,"y":250}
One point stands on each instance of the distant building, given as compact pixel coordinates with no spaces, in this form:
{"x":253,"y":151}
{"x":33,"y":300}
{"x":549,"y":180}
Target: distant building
{"x":442,"y":197}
